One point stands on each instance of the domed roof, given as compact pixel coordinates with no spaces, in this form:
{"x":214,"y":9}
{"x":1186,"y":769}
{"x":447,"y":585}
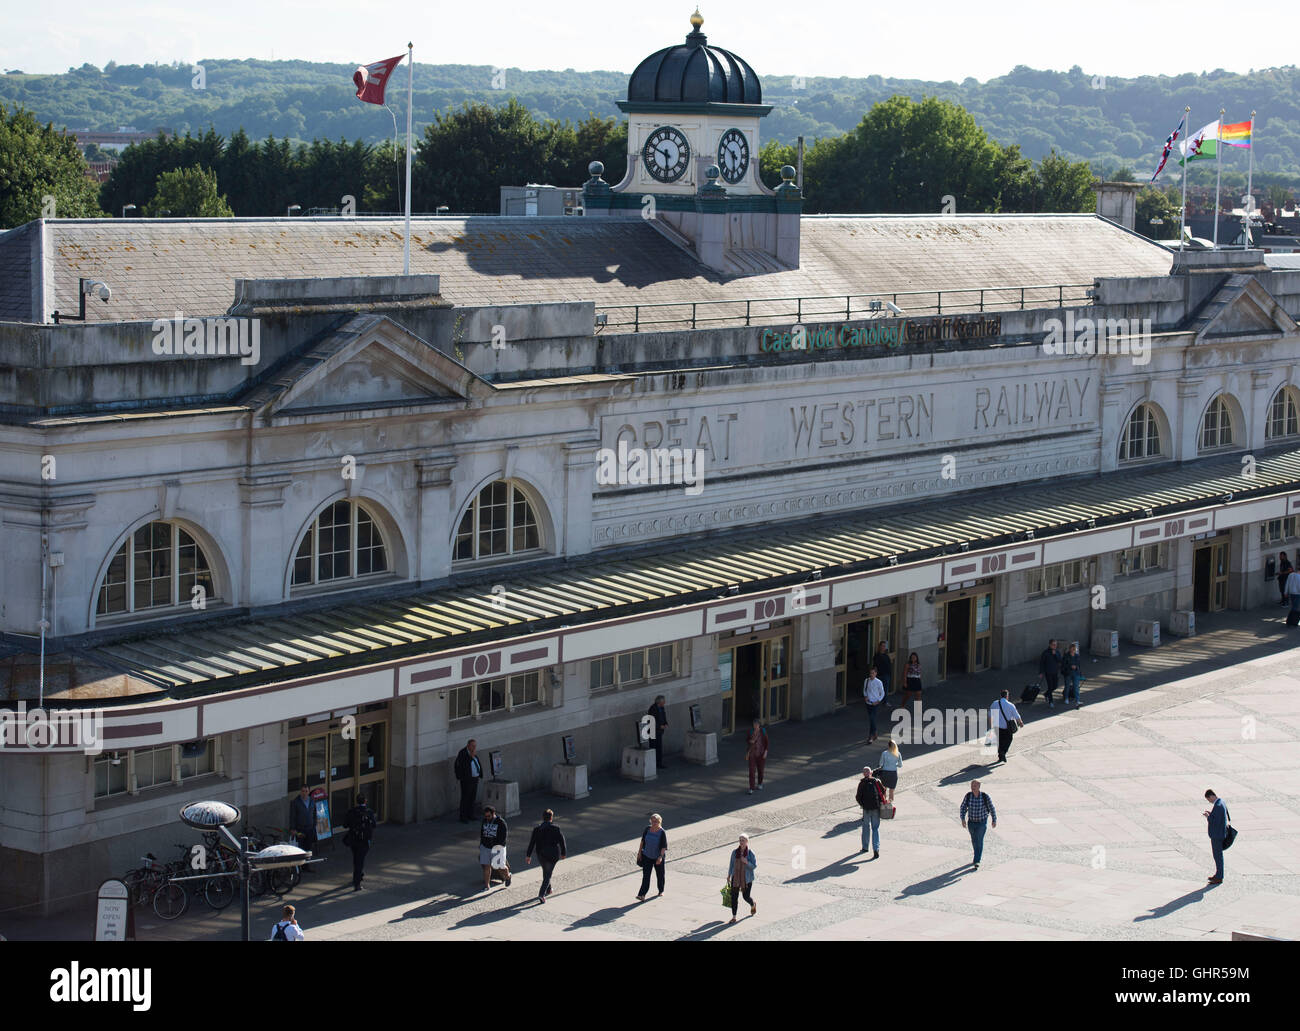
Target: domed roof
{"x":694,"y":73}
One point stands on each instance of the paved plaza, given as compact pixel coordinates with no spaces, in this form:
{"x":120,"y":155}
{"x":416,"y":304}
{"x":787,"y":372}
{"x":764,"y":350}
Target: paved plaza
{"x":1100,"y":833}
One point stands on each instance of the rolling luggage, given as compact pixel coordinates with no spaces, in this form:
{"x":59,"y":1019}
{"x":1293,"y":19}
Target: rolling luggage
{"x":1028,"y":695}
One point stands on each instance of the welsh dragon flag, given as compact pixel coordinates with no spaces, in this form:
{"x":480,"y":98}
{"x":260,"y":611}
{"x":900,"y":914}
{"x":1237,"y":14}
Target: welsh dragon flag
{"x":1202,"y":145}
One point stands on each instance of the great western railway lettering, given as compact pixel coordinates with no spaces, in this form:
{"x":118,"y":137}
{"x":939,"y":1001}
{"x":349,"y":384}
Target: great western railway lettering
{"x":863,"y":421}
{"x":1030,"y":404}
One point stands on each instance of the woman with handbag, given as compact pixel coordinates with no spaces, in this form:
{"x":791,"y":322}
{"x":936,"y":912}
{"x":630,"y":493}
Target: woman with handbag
{"x":890,"y":761}
{"x":740,"y":876}
{"x":651,"y":854}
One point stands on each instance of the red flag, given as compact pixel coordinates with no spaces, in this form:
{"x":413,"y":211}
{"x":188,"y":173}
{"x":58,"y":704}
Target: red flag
{"x":372,"y":78}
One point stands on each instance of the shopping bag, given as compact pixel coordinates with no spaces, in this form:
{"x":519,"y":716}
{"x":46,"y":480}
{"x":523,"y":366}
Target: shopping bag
{"x":726,"y":895}
{"x":499,"y":857}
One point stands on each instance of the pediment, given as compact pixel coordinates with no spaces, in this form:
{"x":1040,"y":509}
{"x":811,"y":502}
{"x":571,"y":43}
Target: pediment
{"x":369,"y":362}
{"x":1243,"y":308}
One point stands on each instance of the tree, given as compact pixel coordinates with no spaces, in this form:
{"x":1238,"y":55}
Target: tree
{"x":1065,"y":185}
{"x":188,"y":193}
{"x":1153,"y":202}
{"x":42,"y":173}
{"x":468,"y":155}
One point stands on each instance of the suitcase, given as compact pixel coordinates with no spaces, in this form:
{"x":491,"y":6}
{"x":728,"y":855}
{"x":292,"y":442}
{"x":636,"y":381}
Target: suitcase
{"x":1028,"y":695}
{"x":1293,"y":618}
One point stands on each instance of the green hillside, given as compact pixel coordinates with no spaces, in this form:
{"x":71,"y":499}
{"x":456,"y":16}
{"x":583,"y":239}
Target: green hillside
{"x":1121,"y":123}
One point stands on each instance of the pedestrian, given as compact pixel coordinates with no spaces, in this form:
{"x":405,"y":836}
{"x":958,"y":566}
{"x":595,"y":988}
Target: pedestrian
{"x":912,"y":678}
{"x":870,"y":794}
{"x":469,"y":771}
{"x":873,"y":692}
{"x":740,"y":875}
{"x":1284,"y":570}
{"x":1217,"y":820}
{"x":287,"y":929}
{"x":1049,"y":667}
{"x":492,"y":835}
{"x":302,"y":821}
{"x":652,"y":854}
{"x":891,"y":759}
{"x":548,"y":842}
{"x":976,"y":809}
{"x":660,"y":714}
{"x":360,"y":824}
{"x":756,"y":754}
{"x":1004,"y":715}
{"x":884,"y":667}
{"x":1071,"y":674}
{"x":1293,"y":593}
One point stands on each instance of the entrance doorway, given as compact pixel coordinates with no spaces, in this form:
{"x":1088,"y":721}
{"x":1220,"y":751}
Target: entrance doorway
{"x":966,"y":633}
{"x":346,"y":756}
{"x":1210,"y":576}
{"x":759,"y":683}
{"x":855,"y":648}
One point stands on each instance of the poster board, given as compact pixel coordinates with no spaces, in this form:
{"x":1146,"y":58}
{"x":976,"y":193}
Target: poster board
{"x":320,"y":807}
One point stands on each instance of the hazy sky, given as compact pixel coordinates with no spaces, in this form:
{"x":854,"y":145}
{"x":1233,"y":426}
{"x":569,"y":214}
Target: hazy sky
{"x":936,"y":39}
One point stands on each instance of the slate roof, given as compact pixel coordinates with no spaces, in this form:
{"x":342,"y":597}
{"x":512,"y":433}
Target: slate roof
{"x":157,"y":266}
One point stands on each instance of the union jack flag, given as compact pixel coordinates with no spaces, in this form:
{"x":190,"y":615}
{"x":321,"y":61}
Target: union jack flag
{"x":1169,"y":145}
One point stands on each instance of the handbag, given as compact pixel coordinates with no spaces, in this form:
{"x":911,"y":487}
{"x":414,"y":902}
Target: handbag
{"x":1231,"y":834}
{"x":726,"y":894}
{"x":887,"y":810}
{"x":1011,"y":724}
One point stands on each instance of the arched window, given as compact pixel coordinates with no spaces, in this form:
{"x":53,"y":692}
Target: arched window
{"x":1141,"y":436}
{"x":1216,"y":427}
{"x":1283,"y":416}
{"x":158,"y":566}
{"x":342,"y":543}
{"x":500,"y":521}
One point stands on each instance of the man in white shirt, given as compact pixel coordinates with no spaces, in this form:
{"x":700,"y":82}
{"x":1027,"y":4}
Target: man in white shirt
{"x":873,"y":691}
{"x":287,"y":930}
{"x":1003,"y":715}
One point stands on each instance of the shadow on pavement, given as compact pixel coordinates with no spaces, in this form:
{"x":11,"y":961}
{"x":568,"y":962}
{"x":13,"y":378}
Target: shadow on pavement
{"x":849,"y":864}
{"x":602,"y":916}
{"x":1175,"y":904}
{"x":936,"y":883}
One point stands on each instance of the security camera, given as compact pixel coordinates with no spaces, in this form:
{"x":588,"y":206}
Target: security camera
{"x":893,"y":307}
{"x":101,"y":289}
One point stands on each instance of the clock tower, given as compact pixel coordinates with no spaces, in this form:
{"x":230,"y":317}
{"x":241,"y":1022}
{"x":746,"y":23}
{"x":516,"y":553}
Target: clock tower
{"x":693,"y":140}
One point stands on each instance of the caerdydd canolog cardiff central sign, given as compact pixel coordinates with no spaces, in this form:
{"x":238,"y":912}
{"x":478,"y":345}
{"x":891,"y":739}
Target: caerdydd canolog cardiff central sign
{"x":886,"y":333}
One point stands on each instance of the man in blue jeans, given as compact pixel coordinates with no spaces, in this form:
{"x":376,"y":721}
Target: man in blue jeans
{"x":870,"y":791}
{"x":976,"y":809}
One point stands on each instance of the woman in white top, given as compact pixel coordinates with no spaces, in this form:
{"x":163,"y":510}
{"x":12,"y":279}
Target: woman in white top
{"x":890,"y":760}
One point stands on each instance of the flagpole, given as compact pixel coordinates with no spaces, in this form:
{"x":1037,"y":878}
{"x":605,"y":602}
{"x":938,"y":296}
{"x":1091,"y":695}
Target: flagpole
{"x":1218,"y":173}
{"x":410,"y":97}
{"x":1182,"y":215}
{"x":1250,"y":179}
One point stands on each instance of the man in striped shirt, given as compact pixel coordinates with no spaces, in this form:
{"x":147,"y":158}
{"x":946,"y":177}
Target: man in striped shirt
{"x":976,"y":809}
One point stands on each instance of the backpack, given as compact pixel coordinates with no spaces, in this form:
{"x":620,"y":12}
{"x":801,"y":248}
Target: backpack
{"x":280,"y":935}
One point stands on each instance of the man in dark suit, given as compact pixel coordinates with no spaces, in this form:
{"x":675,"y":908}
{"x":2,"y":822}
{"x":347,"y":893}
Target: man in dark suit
{"x":660,"y":714}
{"x":1217,"y":825}
{"x":469,"y":771}
{"x":302,"y":821}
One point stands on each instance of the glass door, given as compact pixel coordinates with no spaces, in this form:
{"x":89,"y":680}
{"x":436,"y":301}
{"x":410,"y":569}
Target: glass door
{"x":345,"y":757}
{"x":776,"y":679}
{"x":725,"y":660}
{"x":1219,"y":571}
{"x":981,"y":631}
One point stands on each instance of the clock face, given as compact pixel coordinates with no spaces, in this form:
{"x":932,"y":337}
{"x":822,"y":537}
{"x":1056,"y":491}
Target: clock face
{"x":666,"y":154}
{"x":733,"y":155}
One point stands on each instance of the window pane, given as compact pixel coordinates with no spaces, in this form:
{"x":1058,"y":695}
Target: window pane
{"x":465,"y":535}
{"x":152,"y":565}
{"x":302,"y":561}
{"x":631,"y":667}
{"x":112,"y":595}
{"x":523,"y":689}
{"x":491,"y":696}
{"x":660,"y":660}
{"x":460,"y":702}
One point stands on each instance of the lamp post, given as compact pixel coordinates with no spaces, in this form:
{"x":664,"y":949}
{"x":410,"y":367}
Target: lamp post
{"x":126,"y":208}
{"x":220,"y":816}
{"x":292,"y":208}
{"x":1156,"y":221}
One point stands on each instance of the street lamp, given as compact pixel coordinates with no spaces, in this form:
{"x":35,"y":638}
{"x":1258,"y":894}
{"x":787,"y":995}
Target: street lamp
{"x":220,"y":816}
{"x":1156,"y":221}
{"x":292,"y":209}
{"x":126,"y":208}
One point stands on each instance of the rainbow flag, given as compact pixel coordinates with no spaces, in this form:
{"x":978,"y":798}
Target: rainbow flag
{"x":1235,"y":135}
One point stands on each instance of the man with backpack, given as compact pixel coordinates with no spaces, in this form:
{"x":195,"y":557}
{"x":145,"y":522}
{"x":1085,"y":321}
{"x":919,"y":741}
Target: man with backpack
{"x":287,"y":930}
{"x":360,"y":823}
{"x":871,"y":793}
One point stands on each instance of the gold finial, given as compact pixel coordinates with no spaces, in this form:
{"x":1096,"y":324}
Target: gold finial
{"x":696,"y":19}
